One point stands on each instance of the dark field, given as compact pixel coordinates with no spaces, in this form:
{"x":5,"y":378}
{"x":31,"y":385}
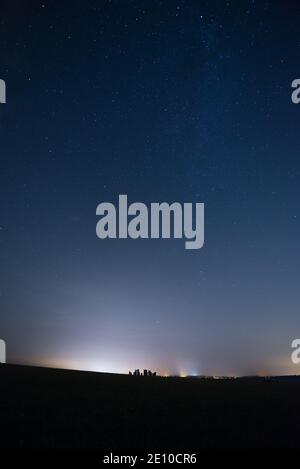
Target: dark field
{"x":44,"y":408}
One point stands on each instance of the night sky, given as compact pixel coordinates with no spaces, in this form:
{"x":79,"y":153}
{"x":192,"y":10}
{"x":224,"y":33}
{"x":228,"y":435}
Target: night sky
{"x":186,"y":101}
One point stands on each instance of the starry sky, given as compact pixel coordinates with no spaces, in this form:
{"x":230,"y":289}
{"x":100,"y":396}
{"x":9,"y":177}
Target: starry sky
{"x":186,"y":101}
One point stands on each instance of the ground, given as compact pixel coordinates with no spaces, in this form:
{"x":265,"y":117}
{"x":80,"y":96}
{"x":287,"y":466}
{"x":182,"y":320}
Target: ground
{"x":46,"y":408}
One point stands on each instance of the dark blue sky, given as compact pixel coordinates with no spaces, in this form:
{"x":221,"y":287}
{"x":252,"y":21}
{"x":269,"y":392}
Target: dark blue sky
{"x":185,"y":101}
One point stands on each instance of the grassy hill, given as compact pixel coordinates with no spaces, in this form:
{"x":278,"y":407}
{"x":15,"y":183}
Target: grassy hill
{"x":47,"y":408}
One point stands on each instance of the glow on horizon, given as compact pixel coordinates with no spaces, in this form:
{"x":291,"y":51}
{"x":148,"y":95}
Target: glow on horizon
{"x":117,"y":366}
{"x":100,"y":367}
